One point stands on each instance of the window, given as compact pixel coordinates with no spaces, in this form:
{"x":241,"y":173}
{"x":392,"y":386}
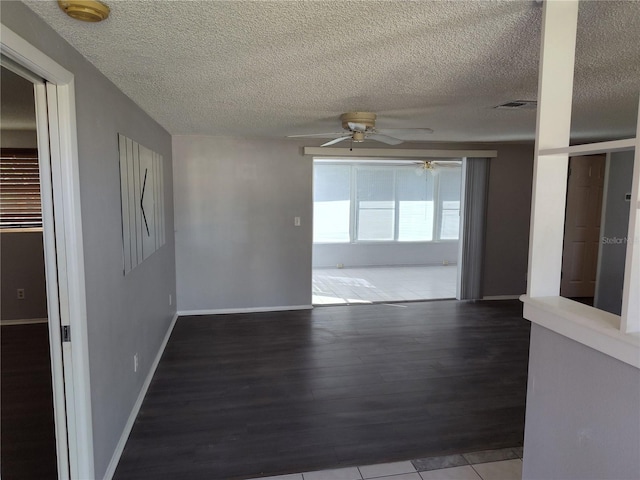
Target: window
{"x":375,"y":203}
{"x":449,"y":206}
{"x":20,"y":205}
{"x":331,"y":203}
{"x":358,"y":202}
{"x":415,"y":201}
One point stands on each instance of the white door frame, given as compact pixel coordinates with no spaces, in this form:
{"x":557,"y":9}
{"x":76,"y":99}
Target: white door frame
{"x":64,"y":257}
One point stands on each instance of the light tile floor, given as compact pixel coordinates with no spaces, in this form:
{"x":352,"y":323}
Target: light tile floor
{"x":383,"y":284}
{"x":473,"y":466}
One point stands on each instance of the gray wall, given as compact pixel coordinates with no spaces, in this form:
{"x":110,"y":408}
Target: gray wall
{"x":358,"y":255}
{"x":582,"y":419}
{"x":19,"y":139}
{"x":612,"y":255}
{"x":236,"y":243}
{"x":22,"y":257}
{"x":235,"y":199}
{"x":22,"y":260}
{"x":508,"y":216}
{"x":128,"y":314}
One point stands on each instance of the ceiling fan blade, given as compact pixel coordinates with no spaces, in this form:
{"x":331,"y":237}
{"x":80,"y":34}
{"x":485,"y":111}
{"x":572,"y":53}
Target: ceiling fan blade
{"x":334,"y":141}
{"x":357,"y":127}
{"x":318,"y":135}
{"x":407,"y":134}
{"x":385,"y":139}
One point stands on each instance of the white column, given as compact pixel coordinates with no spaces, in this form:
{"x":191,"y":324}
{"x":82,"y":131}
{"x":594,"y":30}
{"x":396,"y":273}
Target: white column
{"x":555,"y":91}
{"x":631,"y":292}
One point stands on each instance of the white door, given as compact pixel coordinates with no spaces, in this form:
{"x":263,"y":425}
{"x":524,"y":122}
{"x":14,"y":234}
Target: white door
{"x":582,"y":226}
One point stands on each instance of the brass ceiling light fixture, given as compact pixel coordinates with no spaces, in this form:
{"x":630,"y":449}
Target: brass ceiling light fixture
{"x":85,"y":10}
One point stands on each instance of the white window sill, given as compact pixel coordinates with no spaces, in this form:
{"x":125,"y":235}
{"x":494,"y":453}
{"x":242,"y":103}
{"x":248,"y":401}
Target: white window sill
{"x":21,"y":230}
{"x":390,"y":242}
{"x":587,"y":325}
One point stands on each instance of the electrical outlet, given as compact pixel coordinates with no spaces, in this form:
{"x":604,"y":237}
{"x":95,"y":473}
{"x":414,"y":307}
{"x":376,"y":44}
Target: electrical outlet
{"x":135,"y":363}
{"x":445,"y":262}
{"x":296,"y":221}
{"x":21,"y":294}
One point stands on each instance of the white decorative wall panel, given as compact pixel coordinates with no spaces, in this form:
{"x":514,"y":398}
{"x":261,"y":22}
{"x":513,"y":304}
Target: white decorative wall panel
{"x":142,"y":191}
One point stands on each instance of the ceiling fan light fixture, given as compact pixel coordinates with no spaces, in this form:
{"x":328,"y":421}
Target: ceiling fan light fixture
{"x":425,"y":167}
{"x":358,"y":137}
{"x":85,"y":10}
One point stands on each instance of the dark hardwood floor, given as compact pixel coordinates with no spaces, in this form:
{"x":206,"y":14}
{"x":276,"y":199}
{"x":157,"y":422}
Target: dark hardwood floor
{"x":240,"y":396}
{"x":27,"y":438}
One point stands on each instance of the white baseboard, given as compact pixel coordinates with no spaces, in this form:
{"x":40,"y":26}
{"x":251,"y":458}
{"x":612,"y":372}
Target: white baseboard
{"x":111,"y":468}
{"x":222,"y":311}
{"x":502,"y":297}
{"x":24,"y":321}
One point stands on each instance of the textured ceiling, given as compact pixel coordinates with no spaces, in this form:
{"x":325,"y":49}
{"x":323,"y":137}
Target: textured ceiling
{"x":275,"y":68}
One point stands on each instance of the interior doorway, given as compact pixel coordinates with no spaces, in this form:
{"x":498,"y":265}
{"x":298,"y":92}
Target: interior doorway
{"x":54,"y":92}
{"x":385,"y":230}
{"x":27,"y":423}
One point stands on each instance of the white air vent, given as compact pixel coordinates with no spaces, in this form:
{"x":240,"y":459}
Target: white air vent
{"x":518,"y":104}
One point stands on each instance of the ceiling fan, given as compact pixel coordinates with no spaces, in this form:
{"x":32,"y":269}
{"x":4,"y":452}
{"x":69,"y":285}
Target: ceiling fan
{"x":361,"y":126}
{"x":434,"y":166}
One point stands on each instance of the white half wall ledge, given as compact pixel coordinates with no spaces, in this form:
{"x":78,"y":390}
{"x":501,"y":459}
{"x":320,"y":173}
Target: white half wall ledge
{"x":226,"y":311}
{"x":594,"y":328}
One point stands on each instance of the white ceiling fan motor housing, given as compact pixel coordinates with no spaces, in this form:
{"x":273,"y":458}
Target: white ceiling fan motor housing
{"x":367,"y":119}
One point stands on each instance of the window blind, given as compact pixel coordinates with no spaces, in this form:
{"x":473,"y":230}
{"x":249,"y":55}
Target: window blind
{"x":356,"y":202}
{"x":331,"y":203}
{"x":20,"y":203}
{"x":375,"y":200}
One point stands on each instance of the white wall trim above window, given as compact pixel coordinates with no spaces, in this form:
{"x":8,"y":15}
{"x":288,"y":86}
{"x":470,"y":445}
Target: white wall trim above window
{"x":397,"y":153}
